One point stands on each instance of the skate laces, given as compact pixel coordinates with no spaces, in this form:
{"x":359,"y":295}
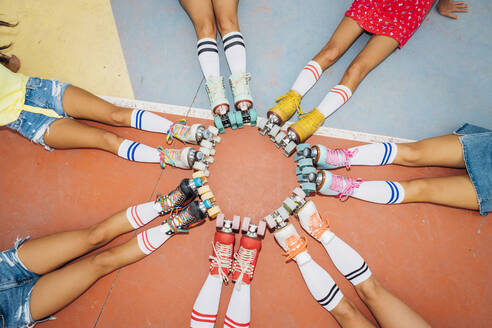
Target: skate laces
{"x":340,"y":157}
{"x":318,"y":225}
{"x":222,"y":259}
{"x":244,"y":263}
{"x":240,"y":86}
{"x":344,"y":186}
{"x":168,"y":156}
{"x":177,"y":130}
{"x":170,"y":201}
{"x":215,"y":89}
{"x":290,"y":100}
{"x":295,"y":246}
{"x":184,"y":220}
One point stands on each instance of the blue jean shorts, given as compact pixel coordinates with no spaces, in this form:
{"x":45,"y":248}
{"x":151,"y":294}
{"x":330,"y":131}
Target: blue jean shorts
{"x":16,"y":283}
{"x":44,"y":94}
{"x":477,"y":152}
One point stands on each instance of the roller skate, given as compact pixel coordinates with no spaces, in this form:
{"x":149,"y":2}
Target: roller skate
{"x":243,"y":101}
{"x":313,"y":224}
{"x":181,"y":220}
{"x":331,"y":184}
{"x":185,"y":158}
{"x":278,"y":219}
{"x":292,"y":243}
{"x":196,"y":134}
{"x":299,"y":131}
{"x":223,"y":116}
{"x":286,"y":106}
{"x":223,"y":247}
{"x":323,"y":157}
{"x":246,"y":256}
{"x":186,"y":191}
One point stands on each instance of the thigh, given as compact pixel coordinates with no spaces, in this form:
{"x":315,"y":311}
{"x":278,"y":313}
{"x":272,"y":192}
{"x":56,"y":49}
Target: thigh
{"x":201,"y":13}
{"x":226,"y":14}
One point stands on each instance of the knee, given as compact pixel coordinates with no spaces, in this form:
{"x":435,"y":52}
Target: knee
{"x":97,"y":236}
{"x":206,"y":29}
{"x":227,"y":24}
{"x":345,"y":309}
{"x":110,"y":141}
{"x":417,"y":190}
{"x":410,"y":153}
{"x":357,"y":70}
{"x":369,"y":290}
{"x":103,"y":263}
{"x":330,"y":54}
{"x":118,"y":117}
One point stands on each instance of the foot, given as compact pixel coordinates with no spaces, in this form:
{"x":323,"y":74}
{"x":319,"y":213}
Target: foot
{"x":337,"y":185}
{"x":306,"y":125}
{"x":295,"y":246}
{"x":216,"y":94}
{"x":222,"y":255}
{"x":245,"y":260}
{"x":326,"y":158}
{"x":240,"y":90}
{"x":195,"y":134}
{"x":286,"y":106}
{"x":313,"y":224}
{"x":185,"y":192}
{"x":181,"y":220}
{"x":184,"y":158}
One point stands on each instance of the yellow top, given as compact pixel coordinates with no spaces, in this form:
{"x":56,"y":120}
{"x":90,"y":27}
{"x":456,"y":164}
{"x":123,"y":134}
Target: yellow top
{"x":12,"y":97}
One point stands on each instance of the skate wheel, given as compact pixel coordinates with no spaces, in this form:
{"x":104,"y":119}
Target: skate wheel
{"x":308,"y":170}
{"x":261,"y":228}
{"x":207,"y":173}
{"x":239,"y":119}
{"x":308,"y":187}
{"x":218,"y":124}
{"x":232,"y":119}
{"x":301,"y":147}
{"x":290,"y":205}
{"x":208,"y":196}
{"x":284,"y":214}
{"x":305,"y":162}
{"x":210,"y":159}
{"x":206,"y":144}
{"x":261,"y":124}
{"x":289,"y":149}
{"x":236,"y":222}
{"x":217,"y":139}
{"x":274,"y":131}
{"x":220,"y":221}
{"x":299,"y":192}
{"x":253,"y":116}
{"x":205,"y":151}
{"x":199,"y":166}
{"x":213,"y":130}
{"x":298,"y":157}
{"x":204,"y":189}
{"x":279,"y":137}
{"x":302,"y":178}
{"x":270,"y":221}
{"x":245,"y":224}
{"x":213,"y":212}
{"x":298,"y":171}
{"x":200,"y":175}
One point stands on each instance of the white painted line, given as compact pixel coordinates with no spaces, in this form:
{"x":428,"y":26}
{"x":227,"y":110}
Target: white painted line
{"x":207,"y":114}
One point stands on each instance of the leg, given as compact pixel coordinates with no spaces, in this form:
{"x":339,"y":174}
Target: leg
{"x":201,"y":14}
{"x":348,"y":315}
{"x":226,"y":16}
{"x":387,"y":308}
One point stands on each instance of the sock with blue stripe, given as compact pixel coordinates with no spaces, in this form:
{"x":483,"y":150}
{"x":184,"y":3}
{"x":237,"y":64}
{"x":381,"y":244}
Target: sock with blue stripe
{"x":374,"y":154}
{"x":144,"y":120}
{"x":382,"y":192}
{"x":138,"y":152}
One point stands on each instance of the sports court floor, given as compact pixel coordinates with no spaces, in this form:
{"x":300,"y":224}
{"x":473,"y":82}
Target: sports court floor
{"x":436,"y":259}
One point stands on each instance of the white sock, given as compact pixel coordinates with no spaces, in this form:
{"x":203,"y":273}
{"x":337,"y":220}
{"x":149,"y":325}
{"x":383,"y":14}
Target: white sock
{"x":208,"y":56}
{"x":335,"y":98}
{"x":321,"y":285}
{"x":382,"y":192}
{"x":144,"y":120}
{"x":374,"y":154}
{"x":239,"y":310}
{"x":151,"y":239}
{"x":206,"y":305}
{"x":235,"y":52}
{"x":138,"y":152}
{"x":346,"y":259}
{"x":140,"y":215}
{"x":309,"y":75}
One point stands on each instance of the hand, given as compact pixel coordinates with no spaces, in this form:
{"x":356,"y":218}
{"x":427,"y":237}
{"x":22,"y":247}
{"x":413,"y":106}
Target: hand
{"x":448,"y":7}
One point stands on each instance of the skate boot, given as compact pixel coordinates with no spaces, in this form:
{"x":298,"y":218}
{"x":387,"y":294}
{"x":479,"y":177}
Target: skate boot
{"x":243,"y":101}
{"x":299,"y":131}
{"x":331,"y":184}
{"x":223,"y":117}
{"x":286,"y":106}
{"x":223,"y":247}
{"x":182,"y":219}
{"x":295,"y":246}
{"x":195,"y":134}
{"x":323,"y":157}
{"x":313,"y":224}
{"x":184,"y":193}
{"x":184,"y":158}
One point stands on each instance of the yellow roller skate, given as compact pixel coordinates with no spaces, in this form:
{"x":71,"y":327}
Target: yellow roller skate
{"x":286,"y":106}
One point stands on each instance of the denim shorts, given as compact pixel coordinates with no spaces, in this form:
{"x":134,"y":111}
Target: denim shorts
{"x":477,"y":152}
{"x":16,"y":283}
{"x":44,"y":94}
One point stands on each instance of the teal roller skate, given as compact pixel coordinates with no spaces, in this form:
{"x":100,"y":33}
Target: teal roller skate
{"x":325,"y":158}
{"x":223,"y":117}
{"x":243,"y":100}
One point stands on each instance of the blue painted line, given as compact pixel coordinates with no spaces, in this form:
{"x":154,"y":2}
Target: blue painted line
{"x":392,"y":192}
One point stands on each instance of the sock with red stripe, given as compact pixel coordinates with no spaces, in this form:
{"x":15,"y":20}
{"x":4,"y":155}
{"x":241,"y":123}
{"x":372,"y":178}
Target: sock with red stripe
{"x":381,"y":192}
{"x":144,"y":120}
{"x":140,"y":215}
{"x":208,"y":56}
{"x":335,"y":98}
{"x":309,"y":75}
{"x":151,"y":239}
{"x":206,"y":305}
{"x":135,"y":151}
{"x":374,"y":154}
{"x":235,"y":52}
{"x":239,"y":310}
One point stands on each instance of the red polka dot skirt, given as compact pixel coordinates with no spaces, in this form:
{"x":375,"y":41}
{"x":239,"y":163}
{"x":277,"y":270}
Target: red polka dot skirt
{"x":398,"y":19}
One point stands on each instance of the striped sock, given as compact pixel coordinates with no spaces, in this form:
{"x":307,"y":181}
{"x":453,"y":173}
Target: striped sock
{"x":335,"y":98}
{"x":138,"y":152}
{"x":374,"y":154}
{"x":140,"y":215}
{"x":151,"y":239}
{"x":239,"y":310}
{"x":381,"y":192}
{"x":144,"y":120}
{"x":208,"y":56}
{"x":307,"y":78}
{"x":235,"y":52}
{"x":206,"y":305}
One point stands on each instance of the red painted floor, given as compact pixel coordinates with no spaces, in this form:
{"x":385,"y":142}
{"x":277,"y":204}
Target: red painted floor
{"x":436,"y":259}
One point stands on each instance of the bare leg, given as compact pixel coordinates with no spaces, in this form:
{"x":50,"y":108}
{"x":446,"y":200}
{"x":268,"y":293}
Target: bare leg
{"x":47,"y":253}
{"x":376,"y":50}
{"x":226,"y":14}
{"x":346,"y":33}
{"x":439,"y":151}
{"x":201,"y":14}
{"x":56,"y":289}
{"x":457,"y":191}
{"x":348,"y":315}
{"x":387,"y":308}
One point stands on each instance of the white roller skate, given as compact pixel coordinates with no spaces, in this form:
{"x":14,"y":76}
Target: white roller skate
{"x":293,"y":244}
{"x":313,"y":224}
{"x":184,"y":158}
{"x":243,"y":100}
{"x":223,"y":117}
{"x":196,"y":134}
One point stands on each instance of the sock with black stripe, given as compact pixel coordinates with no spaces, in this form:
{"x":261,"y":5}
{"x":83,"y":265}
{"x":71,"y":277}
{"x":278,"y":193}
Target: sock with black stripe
{"x":345,"y":258}
{"x":309,"y":75}
{"x":374,"y":154}
{"x":144,"y":120}
{"x":140,"y":215}
{"x":235,"y":52}
{"x":151,"y":239}
{"x":381,"y":192}
{"x":335,"y":98}
{"x":208,"y":56}
{"x":138,"y":152}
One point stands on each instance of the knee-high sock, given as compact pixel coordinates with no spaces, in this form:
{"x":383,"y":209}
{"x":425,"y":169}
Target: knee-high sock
{"x":138,"y":152}
{"x":206,"y":305}
{"x":239,"y":310}
{"x":382,"y":192}
{"x":345,"y":258}
{"x":208,"y":56}
{"x":151,"y":239}
{"x":235,"y":51}
{"x":324,"y":290}
{"x":309,"y":75}
{"x":144,"y":120}
{"x":140,"y":215}
{"x":374,"y":154}
{"x":335,"y":98}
